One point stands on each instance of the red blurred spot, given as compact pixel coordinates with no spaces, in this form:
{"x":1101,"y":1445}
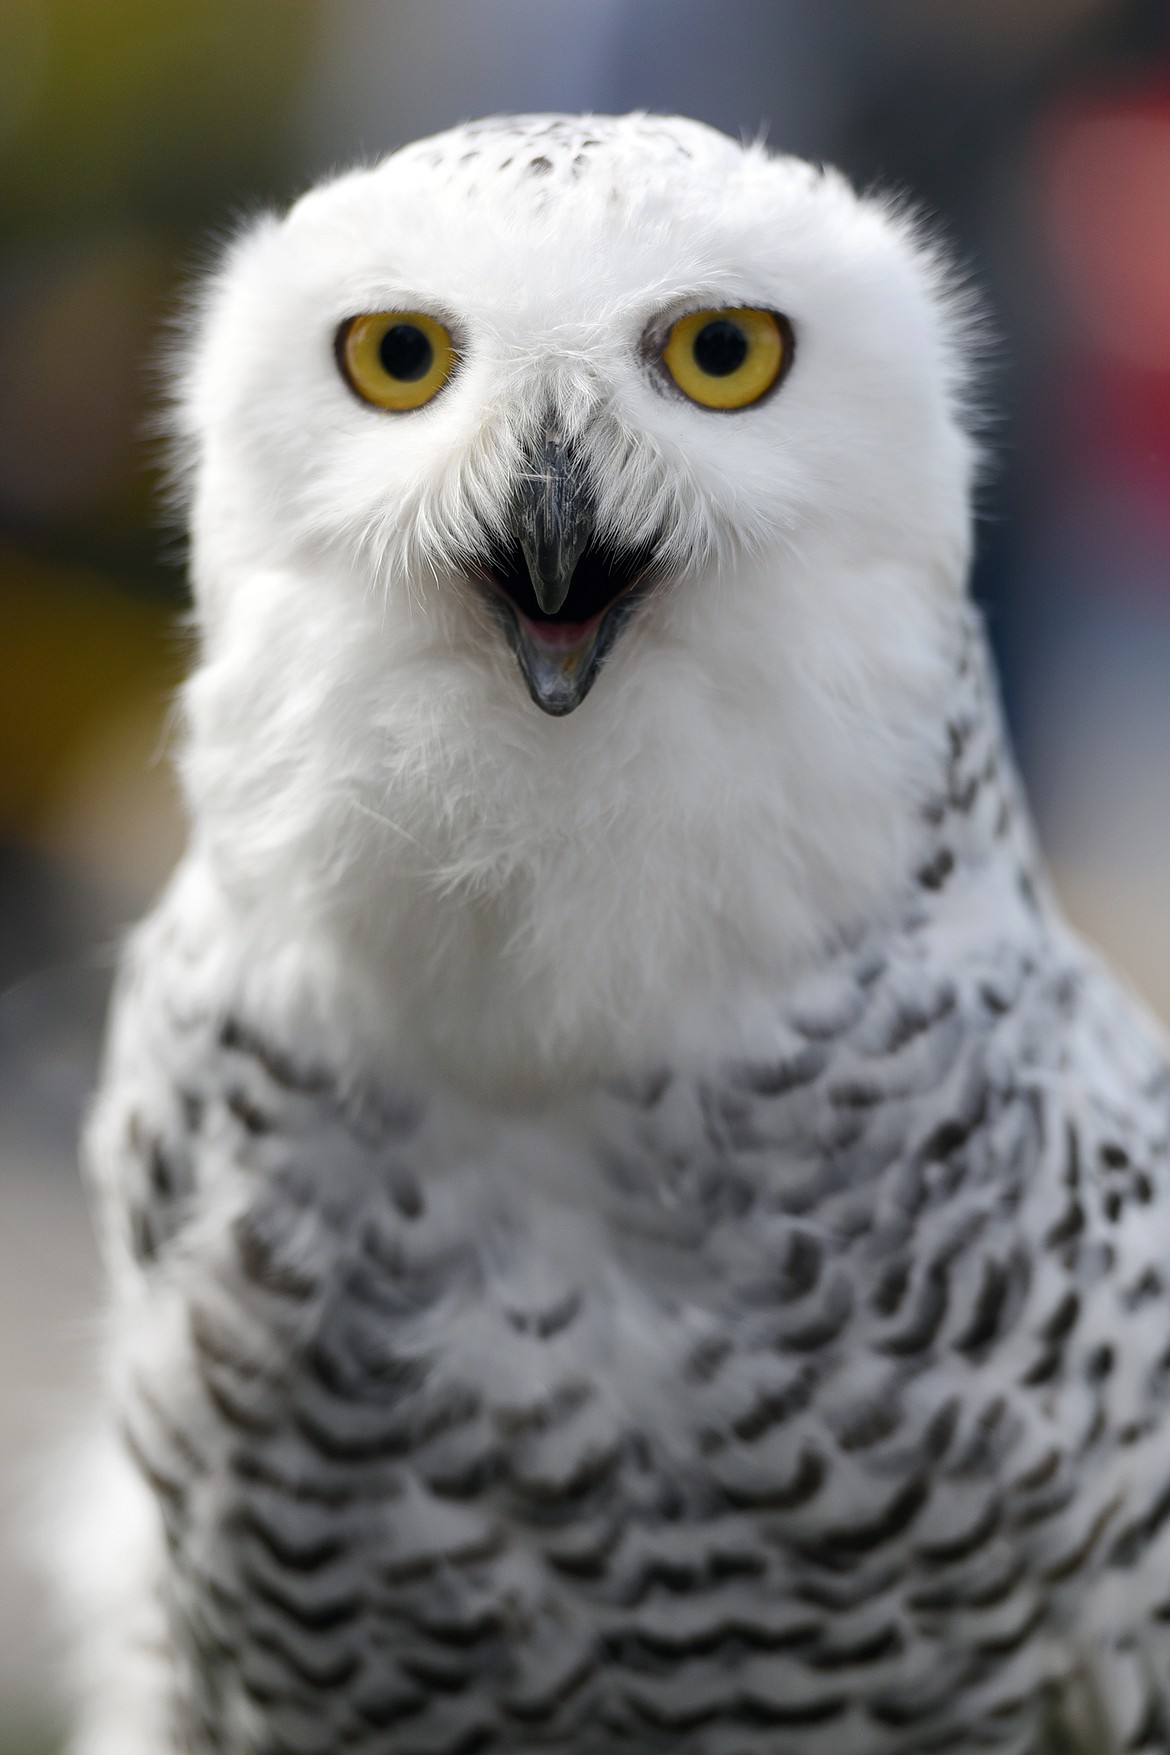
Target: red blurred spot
{"x":1106,"y":185}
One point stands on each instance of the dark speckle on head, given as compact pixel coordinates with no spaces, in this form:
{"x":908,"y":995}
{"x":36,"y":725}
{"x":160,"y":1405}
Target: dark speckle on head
{"x":553,"y":148}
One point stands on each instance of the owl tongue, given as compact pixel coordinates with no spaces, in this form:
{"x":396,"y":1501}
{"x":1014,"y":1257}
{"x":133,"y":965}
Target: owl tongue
{"x":559,"y":640}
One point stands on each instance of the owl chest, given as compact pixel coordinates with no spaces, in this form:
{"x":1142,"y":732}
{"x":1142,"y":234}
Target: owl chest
{"x":433,"y":1462}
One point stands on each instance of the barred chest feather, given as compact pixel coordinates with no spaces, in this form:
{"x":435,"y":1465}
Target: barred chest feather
{"x":814,"y":1402}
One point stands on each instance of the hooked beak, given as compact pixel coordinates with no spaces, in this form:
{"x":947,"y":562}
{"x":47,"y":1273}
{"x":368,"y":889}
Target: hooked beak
{"x":561,"y":594}
{"x":554,"y":519}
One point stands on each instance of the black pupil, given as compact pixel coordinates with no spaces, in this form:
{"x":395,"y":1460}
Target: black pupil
{"x":405,"y":352}
{"x":720,"y":348}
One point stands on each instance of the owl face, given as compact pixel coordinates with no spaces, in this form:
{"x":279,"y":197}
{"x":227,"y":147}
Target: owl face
{"x":541,"y":382}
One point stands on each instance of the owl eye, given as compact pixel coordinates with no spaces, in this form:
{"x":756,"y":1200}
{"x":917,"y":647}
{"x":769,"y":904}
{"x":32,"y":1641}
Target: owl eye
{"x":727,"y":358}
{"x":395,"y":359}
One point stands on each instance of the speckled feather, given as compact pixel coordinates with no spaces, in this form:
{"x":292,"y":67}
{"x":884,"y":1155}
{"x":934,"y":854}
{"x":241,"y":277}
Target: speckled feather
{"x":826,"y":1419}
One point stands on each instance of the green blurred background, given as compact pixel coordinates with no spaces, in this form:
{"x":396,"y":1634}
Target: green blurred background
{"x":133,"y":133}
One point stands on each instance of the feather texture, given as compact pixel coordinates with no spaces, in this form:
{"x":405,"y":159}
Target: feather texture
{"x":644,"y":1231}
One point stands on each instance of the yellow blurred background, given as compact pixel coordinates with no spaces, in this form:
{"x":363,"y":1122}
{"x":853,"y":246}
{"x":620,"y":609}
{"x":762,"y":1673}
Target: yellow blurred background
{"x":129,"y":131}
{"x":134,"y":133}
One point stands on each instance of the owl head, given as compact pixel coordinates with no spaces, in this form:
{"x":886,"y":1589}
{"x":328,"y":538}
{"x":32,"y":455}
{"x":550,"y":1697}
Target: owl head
{"x":580,"y":506}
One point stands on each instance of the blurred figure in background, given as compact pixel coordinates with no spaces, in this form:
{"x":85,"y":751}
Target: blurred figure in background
{"x":1037,"y":138}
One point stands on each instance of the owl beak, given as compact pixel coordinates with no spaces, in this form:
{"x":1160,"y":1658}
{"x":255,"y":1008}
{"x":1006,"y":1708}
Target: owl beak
{"x":560,"y":667}
{"x":561,"y":594}
{"x":554,"y":519}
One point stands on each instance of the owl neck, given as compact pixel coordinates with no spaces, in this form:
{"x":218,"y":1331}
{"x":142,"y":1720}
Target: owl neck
{"x":525,"y":944}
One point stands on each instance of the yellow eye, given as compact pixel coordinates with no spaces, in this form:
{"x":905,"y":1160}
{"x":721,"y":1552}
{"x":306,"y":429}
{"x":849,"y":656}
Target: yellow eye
{"x":727,"y":358}
{"x":395,"y":359}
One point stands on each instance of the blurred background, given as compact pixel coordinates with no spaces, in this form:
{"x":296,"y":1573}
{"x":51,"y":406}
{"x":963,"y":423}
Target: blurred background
{"x":1034,"y":133}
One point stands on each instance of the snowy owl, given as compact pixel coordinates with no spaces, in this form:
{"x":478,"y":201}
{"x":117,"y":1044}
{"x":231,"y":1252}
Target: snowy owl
{"x":631,"y":1223}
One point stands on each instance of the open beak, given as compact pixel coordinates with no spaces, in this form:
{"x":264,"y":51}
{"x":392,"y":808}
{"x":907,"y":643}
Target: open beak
{"x":562,"y":596}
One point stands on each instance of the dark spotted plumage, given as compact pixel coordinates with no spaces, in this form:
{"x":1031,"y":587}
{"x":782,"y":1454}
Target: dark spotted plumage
{"x":552,"y":149}
{"x":812,"y":1402}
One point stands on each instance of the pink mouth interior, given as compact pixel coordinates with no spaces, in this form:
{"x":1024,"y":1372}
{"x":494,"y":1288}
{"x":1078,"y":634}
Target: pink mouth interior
{"x":560,"y":636}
